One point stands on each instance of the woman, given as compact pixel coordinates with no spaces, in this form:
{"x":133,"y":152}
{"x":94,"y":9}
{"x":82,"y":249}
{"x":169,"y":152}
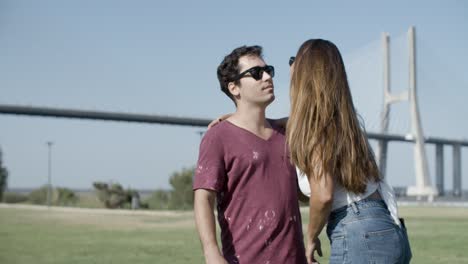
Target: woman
{"x":327,"y":143}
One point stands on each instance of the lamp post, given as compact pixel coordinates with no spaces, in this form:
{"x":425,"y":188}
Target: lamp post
{"x":49,"y":176}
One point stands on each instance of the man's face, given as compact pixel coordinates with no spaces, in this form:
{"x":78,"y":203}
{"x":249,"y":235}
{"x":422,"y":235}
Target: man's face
{"x":251,"y":91}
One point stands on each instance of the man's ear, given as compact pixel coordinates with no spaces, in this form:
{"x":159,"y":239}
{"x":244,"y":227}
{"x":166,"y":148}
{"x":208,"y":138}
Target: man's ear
{"x":234,"y":89}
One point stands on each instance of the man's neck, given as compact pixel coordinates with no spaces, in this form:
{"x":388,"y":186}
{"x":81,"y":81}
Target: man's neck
{"x":251,"y":118}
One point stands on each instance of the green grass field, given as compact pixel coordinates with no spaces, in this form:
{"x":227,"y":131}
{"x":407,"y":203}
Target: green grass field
{"x":31,"y":235}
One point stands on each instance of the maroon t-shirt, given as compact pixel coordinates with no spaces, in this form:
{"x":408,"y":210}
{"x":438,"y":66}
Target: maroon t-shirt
{"x":257,"y":201}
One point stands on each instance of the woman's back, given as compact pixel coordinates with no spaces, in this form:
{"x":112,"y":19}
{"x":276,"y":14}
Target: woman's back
{"x":328,"y":143}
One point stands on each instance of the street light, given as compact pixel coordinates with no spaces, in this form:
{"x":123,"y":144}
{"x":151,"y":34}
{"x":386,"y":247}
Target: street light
{"x":49,"y":177}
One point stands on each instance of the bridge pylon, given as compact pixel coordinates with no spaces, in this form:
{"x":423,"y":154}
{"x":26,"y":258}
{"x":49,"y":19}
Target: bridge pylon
{"x":423,"y":186}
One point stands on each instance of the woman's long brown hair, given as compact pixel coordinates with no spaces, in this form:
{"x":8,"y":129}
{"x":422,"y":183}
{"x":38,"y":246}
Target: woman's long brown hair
{"x":323,"y":130}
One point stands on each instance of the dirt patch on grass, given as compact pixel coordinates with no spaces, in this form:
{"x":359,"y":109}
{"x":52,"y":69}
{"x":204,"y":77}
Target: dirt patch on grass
{"x":105,"y":218}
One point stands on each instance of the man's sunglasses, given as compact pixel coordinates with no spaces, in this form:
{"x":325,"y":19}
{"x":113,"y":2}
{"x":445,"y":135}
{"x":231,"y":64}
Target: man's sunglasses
{"x":291,"y":60}
{"x":257,"y":72}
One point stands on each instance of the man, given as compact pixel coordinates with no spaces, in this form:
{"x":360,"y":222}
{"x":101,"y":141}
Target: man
{"x":243,"y":164}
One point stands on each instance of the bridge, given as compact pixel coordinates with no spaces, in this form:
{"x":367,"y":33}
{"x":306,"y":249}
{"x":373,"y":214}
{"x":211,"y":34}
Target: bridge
{"x":198,"y":122}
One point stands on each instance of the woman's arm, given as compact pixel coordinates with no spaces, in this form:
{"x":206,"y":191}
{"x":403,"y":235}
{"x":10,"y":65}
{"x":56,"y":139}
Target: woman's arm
{"x":321,"y":199}
{"x":281,"y":122}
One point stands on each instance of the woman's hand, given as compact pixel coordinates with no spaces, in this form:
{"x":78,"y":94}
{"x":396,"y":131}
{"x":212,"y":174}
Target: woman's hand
{"x":312,"y":246}
{"x":217,"y":121}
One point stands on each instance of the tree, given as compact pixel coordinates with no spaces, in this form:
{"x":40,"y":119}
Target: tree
{"x":3,"y":177}
{"x":182,"y":193}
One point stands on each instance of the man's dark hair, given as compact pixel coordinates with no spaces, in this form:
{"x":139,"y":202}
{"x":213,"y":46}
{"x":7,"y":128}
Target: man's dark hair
{"x":229,"y":67}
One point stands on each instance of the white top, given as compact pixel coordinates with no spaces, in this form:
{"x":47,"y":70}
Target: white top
{"x":342,"y":197}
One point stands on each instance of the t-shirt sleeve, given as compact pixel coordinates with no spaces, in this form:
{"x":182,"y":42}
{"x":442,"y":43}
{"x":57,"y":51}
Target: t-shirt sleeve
{"x":210,"y":172}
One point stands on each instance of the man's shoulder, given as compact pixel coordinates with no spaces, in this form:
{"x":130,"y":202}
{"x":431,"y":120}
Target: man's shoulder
{"x":215,"y":133}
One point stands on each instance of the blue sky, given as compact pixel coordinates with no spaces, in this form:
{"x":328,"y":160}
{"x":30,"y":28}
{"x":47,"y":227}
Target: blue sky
{"x":160,"y":57}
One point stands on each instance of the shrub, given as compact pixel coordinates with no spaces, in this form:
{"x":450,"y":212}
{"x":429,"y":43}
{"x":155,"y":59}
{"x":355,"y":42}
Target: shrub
{"x":38,"y":196}
{"x":65,"y":197}
{"x":113,"y":195}
{"x":13,"y":197}
{"x":59,"y":196}
{"x":159,"y":200}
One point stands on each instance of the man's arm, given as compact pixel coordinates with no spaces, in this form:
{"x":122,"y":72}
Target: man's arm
{"x":206,"y":226}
